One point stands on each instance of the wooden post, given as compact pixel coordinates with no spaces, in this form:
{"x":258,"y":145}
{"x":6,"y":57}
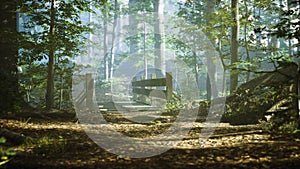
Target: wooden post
{"x":89,"y":89}
{"x":134,"y":95}
{"x":153,"y":76}
{"x":142,"y":98}
{"x":152,"y":99}
{"x":169,"y":85}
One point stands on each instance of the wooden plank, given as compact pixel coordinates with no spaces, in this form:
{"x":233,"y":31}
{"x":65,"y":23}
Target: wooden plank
{"x":169,"y":85}
{"x":89,"y":89}
{"x":143,"y":88}
{"x":150,"y":82}
{"x":153,"y":76}
{"x":124,"y":102}
{"x":148,"y":91}
{"x":141,"y":107}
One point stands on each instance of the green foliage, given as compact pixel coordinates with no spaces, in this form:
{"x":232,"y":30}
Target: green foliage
{"x":50,"y":145}
{"x":101,"y":88}
{"x":140,"y":6}
{"x":256,"y":22}
{"x":63,"y":83}
{"x":2,"y":140}
{"x":173,"y":105}
{"x":32,"y":84}
{"x":288,"y":26}
{"x":36,"y":42}
{"x":280,"y":125}
{"x":5,"y":153}
{"x":249,"y":106}
{"x":290,"y":127}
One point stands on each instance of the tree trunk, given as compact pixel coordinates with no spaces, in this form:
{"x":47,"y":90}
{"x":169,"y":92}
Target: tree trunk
{"x":50,"y":77}
{"x":211,"y":87}
{"x":133,"y":25}
{"x":9,"y":93}
{"x":223,"y":64}
{"x":112,"y":49}
{"x":106,"y":65}
{"x":160,"y":62}
{"x":296,"y":98}
{"x":246,"y":42}
{"x":61,"y":92}
{"x":144,"y":52}
{"x":290,"y":45}
{"x":234,"y":43}
{"x":196,"y":69}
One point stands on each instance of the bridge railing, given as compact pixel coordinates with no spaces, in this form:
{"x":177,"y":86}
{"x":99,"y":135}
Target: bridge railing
{"x":147,"y":90}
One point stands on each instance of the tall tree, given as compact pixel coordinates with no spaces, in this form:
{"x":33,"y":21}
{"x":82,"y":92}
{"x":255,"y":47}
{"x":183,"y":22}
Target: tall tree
{"x":50,"y":76}
{"x":112,"y":49}
{"x":54,"y":30}
{"x":9,"y":92}
{"x":133,"y":24}
{"x":246,"y":42}
{"x":104,"y":11}
{"x":211,"y":87}
{"x":160,"y":62}
{"x":234,"y":43}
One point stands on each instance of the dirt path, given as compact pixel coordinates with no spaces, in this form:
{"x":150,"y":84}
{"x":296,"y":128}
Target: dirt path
{"x":65,"y":145}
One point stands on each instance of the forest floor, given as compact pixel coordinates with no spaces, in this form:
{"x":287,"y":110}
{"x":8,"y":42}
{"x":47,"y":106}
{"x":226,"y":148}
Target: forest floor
{"x":60,"y":142}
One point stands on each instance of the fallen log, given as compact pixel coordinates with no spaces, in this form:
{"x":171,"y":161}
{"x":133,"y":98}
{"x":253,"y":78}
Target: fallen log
{"x":254,"y":99}
{"x":12,"y":137}
{"x":251,"y":101}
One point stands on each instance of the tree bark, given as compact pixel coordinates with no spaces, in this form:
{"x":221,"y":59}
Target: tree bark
{"x":50,"y":77}
{"x":246,"y":42}
{"x":211,"y":87}
{"x":296,"y":98}
{"x":9,"y":93}
{"x":112,"y":49}
{"x":106,"y":67}
{"x":133,"y":25}
{"x":196,"y":69}
{"x":160,"y":62}
{"x":234,"y":43}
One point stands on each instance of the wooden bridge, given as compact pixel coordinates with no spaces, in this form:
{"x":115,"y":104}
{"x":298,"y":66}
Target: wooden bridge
{"x":147,"y":94}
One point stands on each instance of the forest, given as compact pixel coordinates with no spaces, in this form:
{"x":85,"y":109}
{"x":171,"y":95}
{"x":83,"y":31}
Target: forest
{"x":149,"y":84}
